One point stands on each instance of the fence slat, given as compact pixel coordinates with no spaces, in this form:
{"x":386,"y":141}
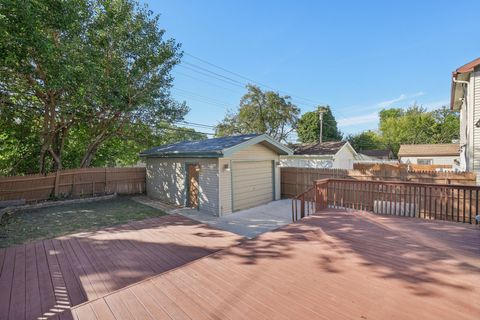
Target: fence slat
{"x":73,"y":183}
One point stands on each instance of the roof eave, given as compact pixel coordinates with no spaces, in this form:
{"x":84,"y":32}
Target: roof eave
{"x":184,"y":155}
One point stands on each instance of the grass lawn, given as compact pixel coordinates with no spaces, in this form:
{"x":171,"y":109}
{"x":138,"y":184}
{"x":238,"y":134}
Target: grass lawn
{"x":51,"y":222}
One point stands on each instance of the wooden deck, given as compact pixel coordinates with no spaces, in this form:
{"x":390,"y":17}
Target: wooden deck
{"x":334,"y":265}
{"x":44,"y":279}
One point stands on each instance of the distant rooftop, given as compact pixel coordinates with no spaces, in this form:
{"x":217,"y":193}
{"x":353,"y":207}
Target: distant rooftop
{"x":450,"y":149}
{"x":324,"y":148}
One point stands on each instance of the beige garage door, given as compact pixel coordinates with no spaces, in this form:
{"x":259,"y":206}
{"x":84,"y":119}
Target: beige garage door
{"x":252,"y":183}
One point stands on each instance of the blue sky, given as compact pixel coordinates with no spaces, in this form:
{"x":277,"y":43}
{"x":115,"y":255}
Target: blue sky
{"x":356,"y":56}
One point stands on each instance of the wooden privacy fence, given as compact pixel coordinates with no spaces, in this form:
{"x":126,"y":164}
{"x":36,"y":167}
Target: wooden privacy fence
{"x":73,"y":183}
{"x":395,"y":167}
{"x":457,"y":203}
{"x":297,"y":180}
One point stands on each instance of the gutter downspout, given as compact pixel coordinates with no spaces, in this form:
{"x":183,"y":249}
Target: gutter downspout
{"x":463,"y":146}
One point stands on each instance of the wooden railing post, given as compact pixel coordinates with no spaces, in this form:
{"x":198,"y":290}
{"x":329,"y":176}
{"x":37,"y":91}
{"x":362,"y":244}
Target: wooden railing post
{"x":302,"y":206}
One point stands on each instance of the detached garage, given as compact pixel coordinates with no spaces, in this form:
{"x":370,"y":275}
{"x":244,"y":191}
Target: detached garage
{"x":219,"y":176}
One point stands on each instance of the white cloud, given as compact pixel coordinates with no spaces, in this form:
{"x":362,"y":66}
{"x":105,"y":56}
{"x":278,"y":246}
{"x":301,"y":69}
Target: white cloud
{"x":400,"y":98}
{"x":435,"y":104}
{"x":353,"y":121}
{"x":373,"y":117}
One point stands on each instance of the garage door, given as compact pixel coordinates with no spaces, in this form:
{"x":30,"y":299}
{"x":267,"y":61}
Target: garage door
{"x":252,"y":183}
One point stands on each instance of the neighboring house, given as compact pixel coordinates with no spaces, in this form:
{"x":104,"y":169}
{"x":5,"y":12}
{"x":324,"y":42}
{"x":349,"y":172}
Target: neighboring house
{"x":219,"y":176}
{"x":465,"y":97}
{"x":333,"y":154}
{"x":381,"y":154}
{"x":430,"y":154}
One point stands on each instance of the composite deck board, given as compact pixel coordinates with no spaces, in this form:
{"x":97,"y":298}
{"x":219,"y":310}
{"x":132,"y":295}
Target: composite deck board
{"x":6,"y":279}
{"x":32,"y":301}
{"x":18,"y":284}
{"x":333,"y":265}
{"x":45,"y":279}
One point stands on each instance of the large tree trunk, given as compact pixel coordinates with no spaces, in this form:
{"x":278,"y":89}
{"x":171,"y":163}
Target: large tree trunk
{"x":92,"y":150}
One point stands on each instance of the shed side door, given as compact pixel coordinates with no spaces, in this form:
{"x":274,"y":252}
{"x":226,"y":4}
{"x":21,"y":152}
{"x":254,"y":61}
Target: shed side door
{"x":252,"y":183}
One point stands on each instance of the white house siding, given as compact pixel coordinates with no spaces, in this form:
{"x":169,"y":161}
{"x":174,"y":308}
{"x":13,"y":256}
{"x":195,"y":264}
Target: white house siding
{"x":344,"y":158}
{"x":475,"y":84}
{"x":300,"y":161}
{"x":166,"y":181}
{"x":256,"y":152}
{"x":444,"y":160}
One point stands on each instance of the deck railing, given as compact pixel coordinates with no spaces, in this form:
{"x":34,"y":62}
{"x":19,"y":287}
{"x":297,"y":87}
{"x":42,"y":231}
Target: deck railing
{"x":457,"y":203}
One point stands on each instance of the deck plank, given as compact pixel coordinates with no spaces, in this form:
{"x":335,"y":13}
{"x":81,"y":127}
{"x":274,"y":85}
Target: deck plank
{"x":33,"y":308}
{"x":6,"y":279}
{"x":333,"y":265}
{"x":45,"y":278}
{"x":47,"y":293}
{"x":18,"y":294}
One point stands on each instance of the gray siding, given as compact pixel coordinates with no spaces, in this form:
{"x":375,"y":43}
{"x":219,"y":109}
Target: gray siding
{"x":208,"y":180}
{"x":166,"y":180}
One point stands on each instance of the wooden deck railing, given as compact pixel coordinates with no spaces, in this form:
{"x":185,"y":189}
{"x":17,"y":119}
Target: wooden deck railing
{"x":457,"y":203}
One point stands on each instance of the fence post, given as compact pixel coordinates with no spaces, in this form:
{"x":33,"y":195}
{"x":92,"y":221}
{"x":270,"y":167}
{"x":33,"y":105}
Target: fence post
{"x":106,"y":181}
{"x":73,"y":183}
{"x":57,"y":183}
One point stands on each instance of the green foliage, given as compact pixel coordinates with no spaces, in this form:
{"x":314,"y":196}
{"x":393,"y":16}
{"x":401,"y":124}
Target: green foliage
{"x":413,"y":125}
{"x":308,"y":127}
{"x":84,"y":80}
{"x":261,"y":112}
{"x":366,"y":140}
{"x":417,"y":126}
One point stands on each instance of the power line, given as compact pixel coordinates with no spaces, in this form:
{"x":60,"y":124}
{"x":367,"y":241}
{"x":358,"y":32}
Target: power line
{"x":248,"y":79}
{"x":201,"y":96}
{"x":205,"y":81}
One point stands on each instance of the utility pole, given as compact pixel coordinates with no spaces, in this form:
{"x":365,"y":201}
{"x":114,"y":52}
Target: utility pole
{"x":321,"y":111}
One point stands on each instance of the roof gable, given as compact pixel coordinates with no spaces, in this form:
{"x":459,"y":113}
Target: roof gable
{"x":215,"y":147}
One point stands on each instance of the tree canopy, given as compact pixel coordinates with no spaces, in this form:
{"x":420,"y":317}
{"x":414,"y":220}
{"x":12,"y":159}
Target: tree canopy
{"x":308,"y":126}
{"x":77,"y":76}
{"x":366,"y":140}
{"x":413,"y":125}
{"x":261,"y":112}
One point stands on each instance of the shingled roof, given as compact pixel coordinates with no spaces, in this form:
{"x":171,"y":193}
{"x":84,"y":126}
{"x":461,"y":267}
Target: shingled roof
{"x":213,"y":148}
{"x":431,"y":150}
{"x":324,"y":148}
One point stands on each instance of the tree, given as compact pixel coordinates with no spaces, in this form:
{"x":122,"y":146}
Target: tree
{"x":308,"y":127}
{"x":124,"y":150}
{"x":417,"y":126}
{"x":132,"y":82}
{"x":447,"y":125}
{"x":261,"y":112}
{"x":99,"y":68}
{"x":366,"y":140}
{"x":42,"y":62}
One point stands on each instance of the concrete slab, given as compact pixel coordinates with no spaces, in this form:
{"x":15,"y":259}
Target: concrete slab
{"x":248,"y":223}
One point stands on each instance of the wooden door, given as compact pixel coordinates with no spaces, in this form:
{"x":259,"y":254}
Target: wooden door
{"x":192,"y":188}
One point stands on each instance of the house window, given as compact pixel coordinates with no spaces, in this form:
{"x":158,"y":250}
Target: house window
{"x":424,"y":161}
